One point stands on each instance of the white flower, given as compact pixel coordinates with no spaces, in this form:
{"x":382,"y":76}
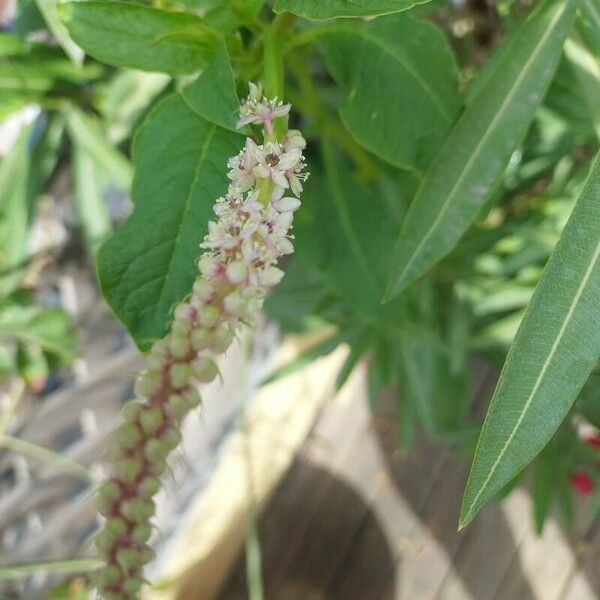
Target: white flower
{"x":257,"y":109}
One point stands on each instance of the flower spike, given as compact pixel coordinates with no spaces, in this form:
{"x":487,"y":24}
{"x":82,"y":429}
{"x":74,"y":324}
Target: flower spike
{"x":250,"y":234}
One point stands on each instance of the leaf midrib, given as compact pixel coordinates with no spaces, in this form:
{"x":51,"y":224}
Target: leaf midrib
{"x":541,"y":375}
{"x":186,"y":207}
{"x":499,"y":115}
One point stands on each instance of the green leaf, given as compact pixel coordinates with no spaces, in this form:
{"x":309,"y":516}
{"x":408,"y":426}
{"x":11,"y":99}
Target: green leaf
{"x":91,"y":209}
{"x":15,"y":205}
{"x":88,"y":135}
{"x":401,"y":82}
{"x":475,"y":154}
{"x":150,"y":263}
{"x":23,"y":175}
{"x":553,"y":354}
{"x":140,"y":37}
{"x":20,"y":318}
{"x":126,"y":98}
{"x":329,"y":9}
{"x":213,"y":96}
{"x":49,"y":9}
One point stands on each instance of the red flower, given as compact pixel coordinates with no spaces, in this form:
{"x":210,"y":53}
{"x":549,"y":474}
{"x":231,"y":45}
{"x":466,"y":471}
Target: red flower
{"x":593,"y":441}
{"x":582,"y":483}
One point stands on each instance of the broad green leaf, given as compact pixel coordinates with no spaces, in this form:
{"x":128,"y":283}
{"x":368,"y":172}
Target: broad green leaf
{"x":401,"y":82}
{"x":213,"y":96}
{"x":88,"y":134}
{"x":554,"y":351}
{"x":474,"y":156}
{"x":329,"y":9}
{"x":49,"y":9}
{"x":91,"y":208}
{"x":150,"y":263}
{"x":140,"y":37}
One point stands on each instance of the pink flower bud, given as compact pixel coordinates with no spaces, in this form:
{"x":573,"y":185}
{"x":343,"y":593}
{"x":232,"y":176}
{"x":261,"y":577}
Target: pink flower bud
{"x":237,"y":272}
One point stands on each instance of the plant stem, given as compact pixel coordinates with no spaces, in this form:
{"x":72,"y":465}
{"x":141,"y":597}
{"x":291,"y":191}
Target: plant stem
{"x":68,"y":565}
{"x":309,"y":101}
{"x":37,"y":452}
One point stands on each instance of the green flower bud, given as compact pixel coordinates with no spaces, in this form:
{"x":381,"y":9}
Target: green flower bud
{"x":127,"y":469}
{"x":180,"y":327}
{"x":127,"y":436}
{"x":146,"y":554}
{"x":108,"y":494}
{"x":156,"y":451}
{"x":221,"y":340}
{"x":149,"y":486}
{"x":200,"y":338}
{"x":116,"y":527}
{"x":128,"y":558}
{"x":192,"y":397}
{"x":148,"y":383}
{"x":131,"y":586}
{"x":179,"y":375}
{"x":177,"y":407}
{"x":108,"y":575}
{"x":131,"y":410}
{"x":204,"y":369}
{"x":141,"y":533}
{"x":208,"y":316}
{"x":179,"y":345}
{"x":171,"y":437}
{"x":151,"y":420}
{"x":104,"y":540}
{"x":137,"y":510}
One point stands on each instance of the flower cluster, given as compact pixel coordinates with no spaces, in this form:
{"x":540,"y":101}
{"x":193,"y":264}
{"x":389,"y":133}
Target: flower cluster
{"x":250,"y":234}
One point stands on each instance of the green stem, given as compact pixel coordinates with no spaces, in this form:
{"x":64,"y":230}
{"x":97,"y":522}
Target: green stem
{"x":37,"y":452}
{"x":68,"y":565}
{"x":309,"y":101}
{"x":273,"y":80}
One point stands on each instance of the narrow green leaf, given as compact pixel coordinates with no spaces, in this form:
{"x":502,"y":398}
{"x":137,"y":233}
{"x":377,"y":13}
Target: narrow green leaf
{"x":329,"y":9}
{"x":474,"y":156}
{"x":318,"y":350}
{"x":15,"y":208}
{"x":140,"y":37}
{"x":554,"y":352}
{"x":49,"y":9}
{"x":401,"y":82}
{"x":91,"y":209}
{"x":88,"y":135}
{"x":150,"y":263}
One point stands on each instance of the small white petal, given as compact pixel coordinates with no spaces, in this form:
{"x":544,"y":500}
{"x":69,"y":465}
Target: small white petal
{"x":286,"y":204}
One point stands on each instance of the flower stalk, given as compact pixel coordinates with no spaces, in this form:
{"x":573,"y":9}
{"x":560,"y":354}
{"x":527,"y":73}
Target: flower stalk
{"x":250,"y":235}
